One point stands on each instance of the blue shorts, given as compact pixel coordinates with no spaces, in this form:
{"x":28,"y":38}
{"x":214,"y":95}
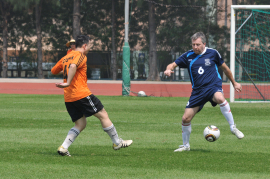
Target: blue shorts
{"x":202,"y":96}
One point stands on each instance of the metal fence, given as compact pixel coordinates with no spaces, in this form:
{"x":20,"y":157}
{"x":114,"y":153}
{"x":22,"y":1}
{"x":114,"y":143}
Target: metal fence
{"x":99,"y":66}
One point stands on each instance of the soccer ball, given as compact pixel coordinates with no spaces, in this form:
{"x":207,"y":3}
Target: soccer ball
{"x":211,"y":133}
{"x":141,"y":93}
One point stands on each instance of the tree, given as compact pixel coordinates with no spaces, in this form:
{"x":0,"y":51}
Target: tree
{"x":51,"y":26}
{"x":38,"y":9}
{"x":6,"y":7}
{"x":113,"y":60}
{"x":250,"y":2}
{"x":97,"y":22}
{"x":76,"y":18}
{"x":57,"y":22}
{"x":153,"y":71}
{"x":20,"y":33}
{"x":169,"y":29}
{"x":20,"y":5}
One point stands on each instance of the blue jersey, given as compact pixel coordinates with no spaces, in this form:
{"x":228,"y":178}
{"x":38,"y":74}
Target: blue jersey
{"x":203,"y":68}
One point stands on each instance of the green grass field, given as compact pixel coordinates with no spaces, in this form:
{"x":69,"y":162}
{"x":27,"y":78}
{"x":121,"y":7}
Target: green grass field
{"x":32,"y":127}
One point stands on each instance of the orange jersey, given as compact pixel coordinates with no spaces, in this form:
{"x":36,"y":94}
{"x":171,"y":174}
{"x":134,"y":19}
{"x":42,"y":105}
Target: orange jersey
{"x":69,"y":51}
{"x":78,"y":88}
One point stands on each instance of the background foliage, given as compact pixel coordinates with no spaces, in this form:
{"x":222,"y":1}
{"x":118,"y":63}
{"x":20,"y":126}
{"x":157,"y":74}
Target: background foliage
{"x":176,"y":21}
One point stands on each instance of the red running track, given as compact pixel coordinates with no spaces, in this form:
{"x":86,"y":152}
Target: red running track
{"x":100,"y":87}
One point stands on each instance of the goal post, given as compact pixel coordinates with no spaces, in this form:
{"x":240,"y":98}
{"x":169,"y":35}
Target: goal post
{"x":250,"y":52}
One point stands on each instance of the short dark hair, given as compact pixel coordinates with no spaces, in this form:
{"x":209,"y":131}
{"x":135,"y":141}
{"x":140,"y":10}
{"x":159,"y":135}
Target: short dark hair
{"x":82,"y":39}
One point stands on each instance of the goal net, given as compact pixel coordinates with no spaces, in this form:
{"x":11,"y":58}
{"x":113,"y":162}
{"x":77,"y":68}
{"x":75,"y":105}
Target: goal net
{"x":250,"y":53}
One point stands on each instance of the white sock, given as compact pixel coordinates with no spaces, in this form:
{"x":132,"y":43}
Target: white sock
{"x":186,"y":130}
{"x":111,"y":131}
{"x":226,"y":111}
{"x":72,"y":134}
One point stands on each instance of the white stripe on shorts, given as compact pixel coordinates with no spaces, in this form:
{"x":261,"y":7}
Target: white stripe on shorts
{"x":91,"y":103}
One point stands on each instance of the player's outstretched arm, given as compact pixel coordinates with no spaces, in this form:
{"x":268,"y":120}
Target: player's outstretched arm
{"x":58,"y":68}
{"x":71,"y":73}
{"x":60,"y":73}
{"x":170,"y":69}
{"x":228,"y":73}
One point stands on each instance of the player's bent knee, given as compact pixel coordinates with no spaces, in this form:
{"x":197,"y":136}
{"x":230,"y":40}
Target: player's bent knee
{"x":186,"y":119}
{"x":219,"y":98}
{"x":80,"y":127}
{"x":102,"y":113}
{"x":81,"y":124}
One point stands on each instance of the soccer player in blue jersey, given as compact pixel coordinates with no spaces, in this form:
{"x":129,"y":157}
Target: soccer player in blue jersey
{"x":202,"y":64}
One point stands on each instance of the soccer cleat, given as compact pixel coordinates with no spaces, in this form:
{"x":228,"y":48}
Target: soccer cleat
{"x":62,"y":151}
{"x":182,"y":148}
{"x":238,"y":133}
{"x":122,"y":144}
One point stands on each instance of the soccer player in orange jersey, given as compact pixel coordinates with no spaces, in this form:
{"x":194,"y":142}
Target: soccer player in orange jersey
{"x":79,"y":100}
